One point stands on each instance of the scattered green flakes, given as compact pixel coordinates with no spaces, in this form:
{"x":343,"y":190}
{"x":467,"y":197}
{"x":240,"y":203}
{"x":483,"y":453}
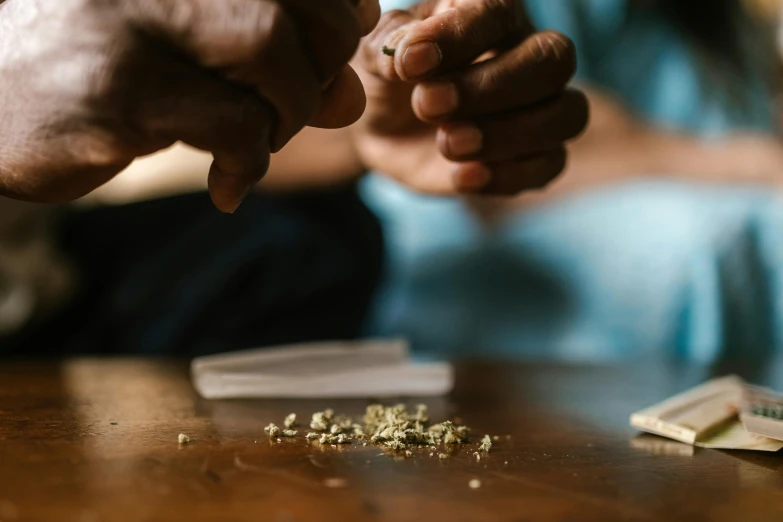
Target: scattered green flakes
{"x":450,"y":438}
{"x":272,"y":430}
{"x":388,"y":51}
{"x":344,"y":423}
{"x":486,"y":444}
{"x":452,"y":434}
{"x":290,"y":421}
{"x":183,"y":439}
{"x":396,"y":423}
{"x":374,"y":414}
{"x":328,"y":438}
{"x":396,"y":445}
{"x":393,"y":427}
{"x":421,"y":413}
{"x":322,"y":420}
{"x":474,"y":484}
{"x":442,"y":456}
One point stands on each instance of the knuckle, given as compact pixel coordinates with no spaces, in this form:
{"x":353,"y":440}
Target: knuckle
{"x":489,"y":79}
{"x":556,"y":52}
{"x":274,"y":28}
{"x":182,"y":16}
{"x":563,"y":50}
{"x":230,"y":37}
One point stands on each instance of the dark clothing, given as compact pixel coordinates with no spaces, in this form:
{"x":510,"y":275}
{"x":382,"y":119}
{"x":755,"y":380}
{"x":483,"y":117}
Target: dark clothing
{"x":176,"y":277}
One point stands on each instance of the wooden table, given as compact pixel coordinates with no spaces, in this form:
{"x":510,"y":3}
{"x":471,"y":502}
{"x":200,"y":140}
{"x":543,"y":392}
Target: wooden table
{"x":96,"y":440}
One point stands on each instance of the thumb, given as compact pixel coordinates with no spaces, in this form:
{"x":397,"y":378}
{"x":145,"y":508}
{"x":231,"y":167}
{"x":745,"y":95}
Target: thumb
{"x":343,"y":102}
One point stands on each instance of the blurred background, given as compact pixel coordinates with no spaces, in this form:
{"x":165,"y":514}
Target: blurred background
{"x":664,"y":237}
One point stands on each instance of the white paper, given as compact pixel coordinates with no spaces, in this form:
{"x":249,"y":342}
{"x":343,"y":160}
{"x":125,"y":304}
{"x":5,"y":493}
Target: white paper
{"x":378,"y":369}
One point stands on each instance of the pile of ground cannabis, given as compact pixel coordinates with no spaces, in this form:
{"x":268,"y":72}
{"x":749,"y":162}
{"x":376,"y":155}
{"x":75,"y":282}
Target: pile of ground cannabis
{"x":394,"y":427}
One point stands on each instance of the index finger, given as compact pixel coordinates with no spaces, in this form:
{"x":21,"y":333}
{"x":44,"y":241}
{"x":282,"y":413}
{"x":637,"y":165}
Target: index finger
{"x":456,"y":37}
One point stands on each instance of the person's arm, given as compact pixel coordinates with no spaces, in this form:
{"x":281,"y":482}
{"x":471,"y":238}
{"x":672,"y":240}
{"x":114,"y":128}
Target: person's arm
{"x":618,"y":145}
{"x":86,"y":87}
{"x":315,"y":158}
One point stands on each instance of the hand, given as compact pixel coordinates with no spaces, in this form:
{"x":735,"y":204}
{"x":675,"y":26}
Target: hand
{"x":473,"y":100}
{"x":86,"y":86}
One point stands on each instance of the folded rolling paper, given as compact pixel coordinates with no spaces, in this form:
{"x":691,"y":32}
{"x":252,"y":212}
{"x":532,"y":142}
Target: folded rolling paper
{"x":375,"y":368}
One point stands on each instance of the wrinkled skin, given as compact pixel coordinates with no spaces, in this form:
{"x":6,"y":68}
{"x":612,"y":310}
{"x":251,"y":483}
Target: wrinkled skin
{"x":86,"y":86}
{"x":471,"y":101}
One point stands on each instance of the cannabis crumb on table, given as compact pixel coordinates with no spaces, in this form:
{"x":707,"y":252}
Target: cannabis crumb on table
{"x":395,"y":428}
{"x":274,"y":432}
{"x":290,"y":421}
{"x":183,"y":439}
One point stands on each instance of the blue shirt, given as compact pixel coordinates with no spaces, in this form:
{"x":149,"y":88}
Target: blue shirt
{"x":653,"y":266}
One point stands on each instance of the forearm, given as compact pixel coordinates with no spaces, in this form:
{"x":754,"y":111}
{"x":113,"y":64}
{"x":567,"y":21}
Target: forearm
{"x":618,"y":146}
{"x":315,"y":158}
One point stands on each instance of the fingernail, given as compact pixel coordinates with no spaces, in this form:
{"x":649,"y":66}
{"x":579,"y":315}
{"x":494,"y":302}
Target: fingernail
{"x":470,"y":177}
{"x":464,"y":140}
{"x":227,"y":192}
{"x":437,"y":99}
{"x":395,"y":38}
{"x":420,"y":59}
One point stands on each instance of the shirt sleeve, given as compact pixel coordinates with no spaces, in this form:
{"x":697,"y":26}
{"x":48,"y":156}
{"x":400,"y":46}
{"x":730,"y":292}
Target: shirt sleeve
{"x":388,"y":5}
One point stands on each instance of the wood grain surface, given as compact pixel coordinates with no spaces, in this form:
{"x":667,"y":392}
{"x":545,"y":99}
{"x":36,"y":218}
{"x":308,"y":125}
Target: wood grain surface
{"x":92,"y":440}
